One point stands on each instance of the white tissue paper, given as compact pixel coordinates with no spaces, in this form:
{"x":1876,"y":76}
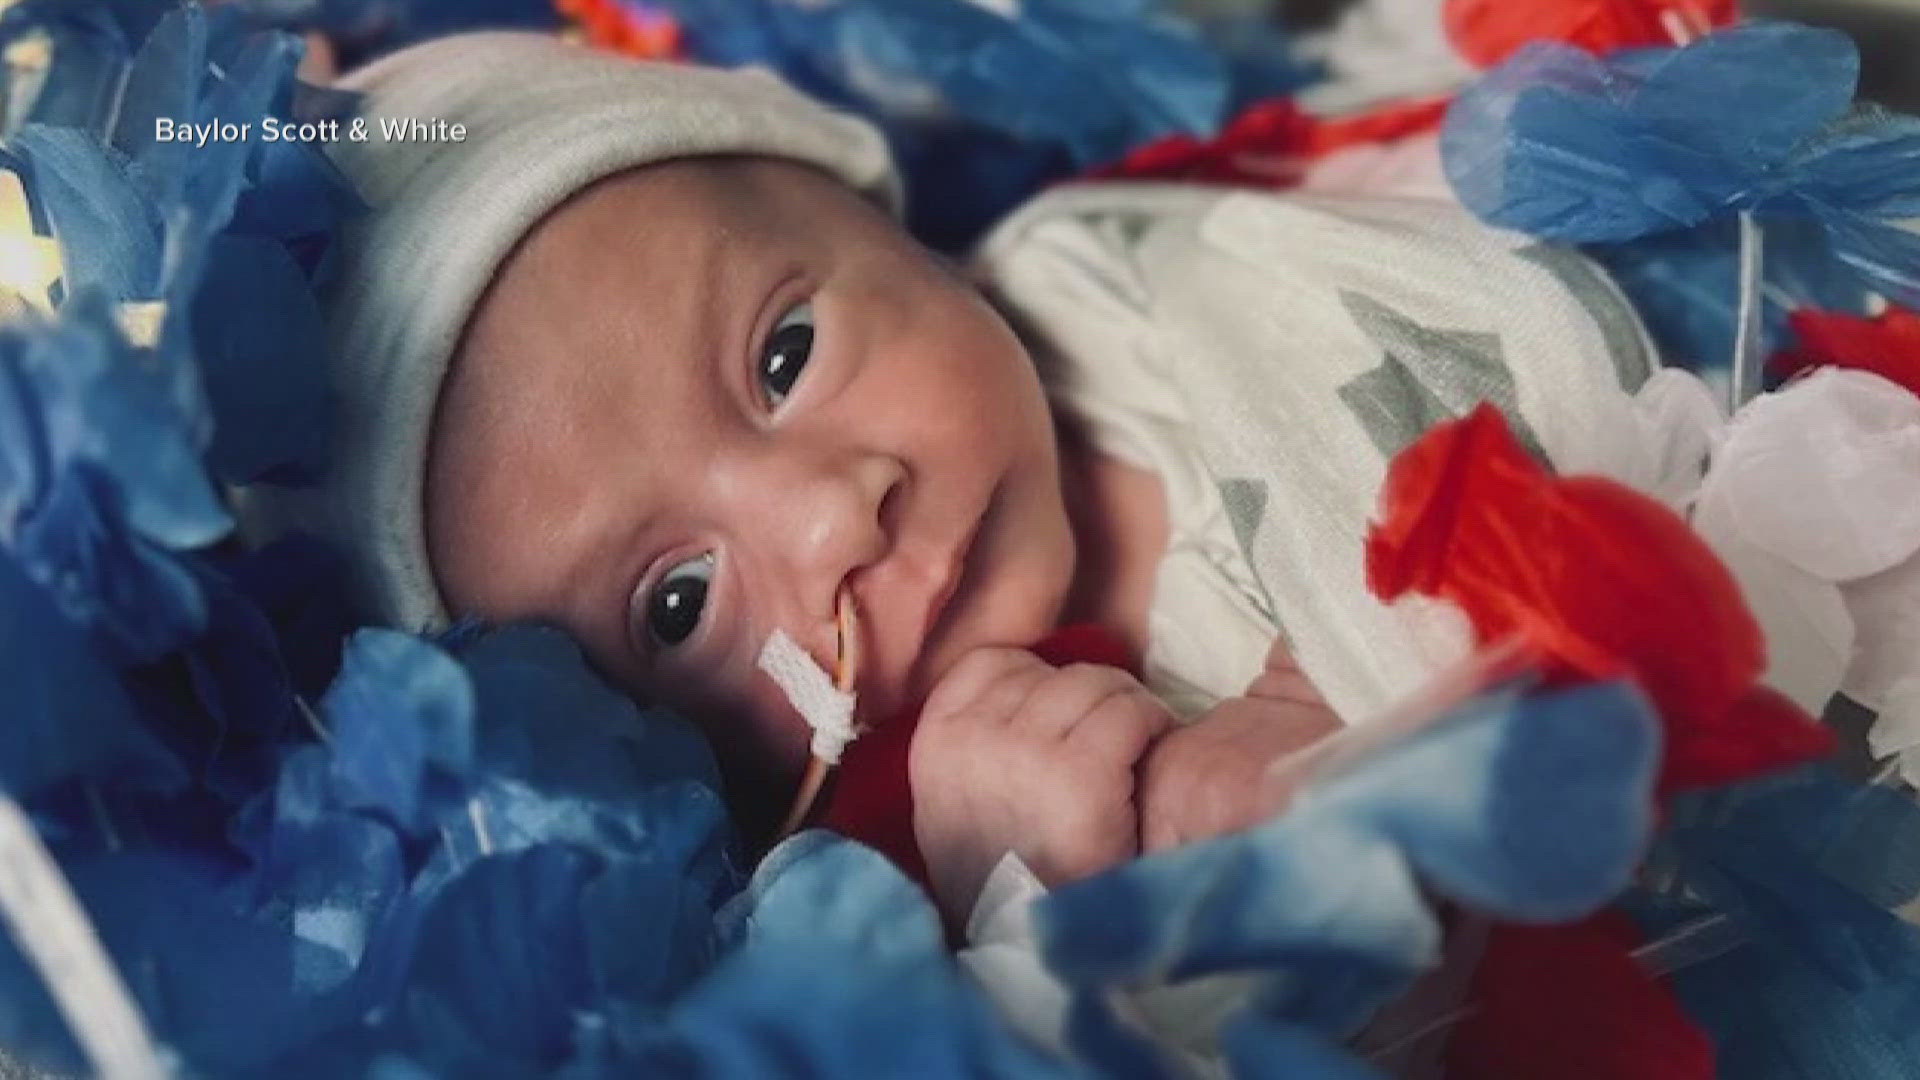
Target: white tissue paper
{"x":826,"y":708}
{"x":1826,"y":473}
{"x":1003,"y":955}
{"x":1813,"y":501}
{"x":1677,"y":424}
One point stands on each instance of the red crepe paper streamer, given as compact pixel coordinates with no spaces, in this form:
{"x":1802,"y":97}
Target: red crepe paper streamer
{"x":1486,"y":32}
{"x":627,"y":28}
{"x":1270,"y":143}
{"x":1571,"y":1003}
{"x":1599,"y":582}
{"x":1887,"y":345}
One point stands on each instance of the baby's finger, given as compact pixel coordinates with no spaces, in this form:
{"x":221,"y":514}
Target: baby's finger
{"x":975,"y":676}
{"x":1282,"y":680}
{"x":1160,"y":831}
{"x":1069,"y":694}
{"x":1122,"y":728}
{"x":1005,"y":701}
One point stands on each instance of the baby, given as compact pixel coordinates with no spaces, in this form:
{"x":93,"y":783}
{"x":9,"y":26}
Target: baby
{"x":805,"y":402}
{"x":650,"y":358}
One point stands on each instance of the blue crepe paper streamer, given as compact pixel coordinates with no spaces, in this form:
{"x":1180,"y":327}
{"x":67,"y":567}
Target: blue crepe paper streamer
{"x":950,"y":81}
{"x":1823,"y":981}
{"x":141,"y":220}
{"x":1685,"y":285}
{"x":1647,"y":154}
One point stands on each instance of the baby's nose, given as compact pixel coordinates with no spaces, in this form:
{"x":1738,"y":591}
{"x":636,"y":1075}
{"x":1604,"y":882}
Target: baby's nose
{"x":834,"y":514}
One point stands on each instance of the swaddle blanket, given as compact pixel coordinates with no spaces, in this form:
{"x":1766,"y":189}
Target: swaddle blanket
{"x":1266,"y":356}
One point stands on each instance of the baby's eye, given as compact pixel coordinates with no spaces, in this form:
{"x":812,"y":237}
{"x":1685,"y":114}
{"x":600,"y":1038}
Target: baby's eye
{"x":785,"y":353}
{"x":673,"y":611}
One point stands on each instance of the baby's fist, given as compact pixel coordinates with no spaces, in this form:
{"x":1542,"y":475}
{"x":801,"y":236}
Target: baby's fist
{"x":1216,"y":774}
{"x":1012,"y":754}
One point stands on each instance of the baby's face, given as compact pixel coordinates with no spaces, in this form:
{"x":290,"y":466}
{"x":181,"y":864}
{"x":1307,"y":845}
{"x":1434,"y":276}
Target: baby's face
{"x":703,"y":398}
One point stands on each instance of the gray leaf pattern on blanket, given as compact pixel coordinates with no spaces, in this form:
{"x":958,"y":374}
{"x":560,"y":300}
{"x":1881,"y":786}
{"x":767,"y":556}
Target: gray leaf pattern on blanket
{"x":1246,"y":503}
{"x":1245,"y":500}
{"x":1427,"y":376}
{"x":1123,"y":230}
{"x":1612,"y":315}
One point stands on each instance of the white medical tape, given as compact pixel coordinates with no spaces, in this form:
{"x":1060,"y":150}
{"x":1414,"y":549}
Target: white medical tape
{"x":826,"y":709}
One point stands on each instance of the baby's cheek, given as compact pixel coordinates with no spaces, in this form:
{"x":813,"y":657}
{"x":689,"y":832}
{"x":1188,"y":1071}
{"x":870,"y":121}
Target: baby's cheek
{"x":778,"y":734}
{"x":756,"y":737}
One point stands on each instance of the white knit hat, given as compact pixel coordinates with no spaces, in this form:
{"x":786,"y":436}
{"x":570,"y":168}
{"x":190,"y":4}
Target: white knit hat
{"x":544,"y":119}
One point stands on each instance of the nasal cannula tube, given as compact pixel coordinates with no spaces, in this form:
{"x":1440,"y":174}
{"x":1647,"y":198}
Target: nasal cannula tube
{"x":846,"y":670}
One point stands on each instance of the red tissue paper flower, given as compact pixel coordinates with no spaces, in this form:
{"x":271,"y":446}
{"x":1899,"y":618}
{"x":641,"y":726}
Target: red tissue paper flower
{"x":625,"y":27}
{"x":1596,"y":581}
{"x":1486,"y":32}
{"x":1269,"y":144}
{"x":1887,"y":345}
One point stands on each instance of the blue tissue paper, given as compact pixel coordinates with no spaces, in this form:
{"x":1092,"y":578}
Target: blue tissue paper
{"x":1759,"y":117}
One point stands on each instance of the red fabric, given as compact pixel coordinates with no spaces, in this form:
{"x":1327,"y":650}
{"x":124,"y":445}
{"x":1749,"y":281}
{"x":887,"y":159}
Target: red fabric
{"x":1486,"y":32}
{"x":1087,"y":643}
{"x":1598,"y":582}
{"x":1269,"y":144}
{"x":1888,"y":344}
{"x":871,"y":800}
{"x":1571,"y":1003}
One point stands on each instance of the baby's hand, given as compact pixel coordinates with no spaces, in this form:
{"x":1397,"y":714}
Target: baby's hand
{"x":1212,"y":776}
{"x":1012,"y":754}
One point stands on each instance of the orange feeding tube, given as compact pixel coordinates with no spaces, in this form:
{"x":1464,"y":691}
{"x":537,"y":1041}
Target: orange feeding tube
{"x":846,"y":670}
